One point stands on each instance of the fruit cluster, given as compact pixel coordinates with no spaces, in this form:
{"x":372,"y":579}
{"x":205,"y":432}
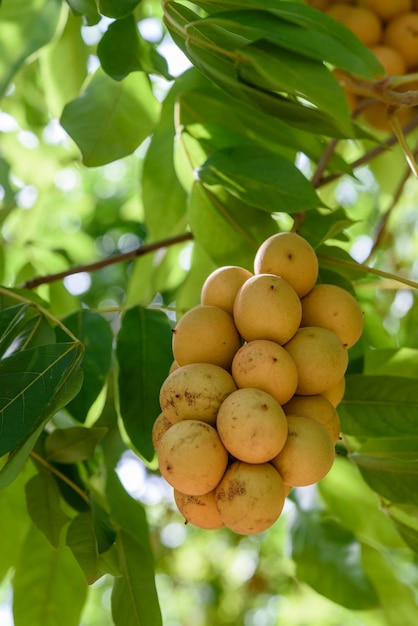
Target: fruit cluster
{"x":390,"y":29}
{"x":249,"y":405}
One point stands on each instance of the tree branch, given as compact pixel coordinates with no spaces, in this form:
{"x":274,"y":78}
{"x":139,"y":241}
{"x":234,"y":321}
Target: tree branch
{"x":117,"y":258}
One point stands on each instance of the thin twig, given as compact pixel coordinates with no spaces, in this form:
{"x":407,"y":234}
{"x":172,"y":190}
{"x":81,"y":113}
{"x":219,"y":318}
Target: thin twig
{"x":117,"y":258}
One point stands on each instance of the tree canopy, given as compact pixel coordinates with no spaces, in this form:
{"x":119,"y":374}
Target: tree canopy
{"x":143,"y":145}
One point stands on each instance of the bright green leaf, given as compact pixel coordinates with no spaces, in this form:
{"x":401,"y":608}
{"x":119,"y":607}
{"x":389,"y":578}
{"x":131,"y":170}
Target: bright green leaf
{"x":110,"y":119}
{"x":44,"y":508}
{"x":260,"y":178}
{"x":144,"y":356}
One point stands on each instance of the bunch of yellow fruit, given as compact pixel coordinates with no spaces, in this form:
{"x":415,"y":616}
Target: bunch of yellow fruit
{"x":249,"y":405}
{"x":390,"y":29}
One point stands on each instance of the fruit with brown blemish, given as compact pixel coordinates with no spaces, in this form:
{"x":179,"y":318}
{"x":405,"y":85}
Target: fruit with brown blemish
{"x":200,"y":511}
{"x":191,"y":457}
{"x":252,"y":425}
{"x":195,"y":391}
{"x":250,"y":497}
{"x":318,"y":408}
{"x":160,"y":426}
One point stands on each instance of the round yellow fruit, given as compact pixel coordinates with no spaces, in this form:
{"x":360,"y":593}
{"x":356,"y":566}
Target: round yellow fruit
{"x":401,"y":33}
{"x":336,"y":393}
{"x":308,"y":453}
{"x":191,"y":457}
{"x":161,"y":425}
{"x":290,"y":256}
{"x":205,"y":334}
{"x":200,"y":511}
{"x":386,"y":9}
{"x":332,"y":307}
{"x":320,"y":358}
{"x":364,"y":23}
{"x":252,"y":425}
{"x":250,"y":497}
{"x":391,"y":60}
{"x":195,"y":391}
{"x":267,"y":307}
{"x":221,"y":286}
{"x":318,"y":408}
{"x":266,"y":365}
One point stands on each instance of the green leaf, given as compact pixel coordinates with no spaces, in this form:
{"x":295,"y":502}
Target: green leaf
{"x":9,"y":319}
{"x":122,"y":51}
{"x":392,"y":362}
{"x":86,"y":8}
{"x":110,"y":119}
{"x":103,"y":528}
{"x":328,"y":558}
{"x":144,"y":355}
{"x":379,"y":406}
{"x":31,"y":382}
{"x":26,"y":26}
{"x":390,"y":467}
{"x":389,"y":573}
{"x":228,"y":229}
{"x":134,"y":598}
{"x":73,"y":444}
{"x":117,"y":8}
{"x":44,"y":507}
{"x":48,"y":585}
{"x":260,"y":178}
{"x":405,"y":519}
{"x":96,"y":335}
{"x":82,"y":541}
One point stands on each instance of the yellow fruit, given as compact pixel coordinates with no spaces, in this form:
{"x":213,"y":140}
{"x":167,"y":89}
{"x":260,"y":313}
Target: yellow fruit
{"x":320,"y":358}
{"x":252,"y":425}
{"x":195,"y":391}
{"x":391,"y":60}
{"x":332,"y":307}
{"x":308,"y":453}
{"x":363,"y":22}
{"x":250,"y":497}
{"x":265,"y":365}
{"x":336,"y":393}
{"x":191,"y":457}
{"x":321,"y":5}
{"x":205,"y":334}
{"x":161,"y":425}
{"x":376,"y":115}
{"x":318,"y":408}
{"x":290,"y":256}
{"x":200,"y":511}
{"x":267,"y":307}
{"x":222,"y":285}
{"x":401,"y":33}
{"x":386,"y":9}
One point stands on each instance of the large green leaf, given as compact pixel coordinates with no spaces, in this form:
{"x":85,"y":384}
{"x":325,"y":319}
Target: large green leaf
{"x":44,"y":506}
{"x":117,"y":8}
{"x":379,"y":406}
{"x":390,"y":467}
{"x":48,"y":585}
{"x":122,"y":51}
{"x":31,"y":382}
{"x":26,"y":26}
{"x":73,"y":444}
{"x":95,"y":333}
{"x":144,"y":356}
{"x":86,"y":8}
{"x":328,"y":557}
{"x":260,"y":178}
{"x":110,"y":119}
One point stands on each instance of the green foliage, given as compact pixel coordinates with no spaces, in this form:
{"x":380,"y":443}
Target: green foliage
{"x":123,"y":184}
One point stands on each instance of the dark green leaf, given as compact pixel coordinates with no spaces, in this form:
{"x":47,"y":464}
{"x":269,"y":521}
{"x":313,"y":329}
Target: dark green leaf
{"x":26,"y":26}
{"x":103,"y":528}
{"x":390,"y":467}
{"x":338,"y":260}
{"x":96,"y":335}
{"x":74,"y":444}
{"x":9,"y":319}
{"x":405,"y":518}
{"x":48,"y":585}
{"x":31,"y":382}
{"x":86,"y":8}
{"x":328,"y":558}
{"x":144,"y":356}
{"x":122,"y":51}
{"x":117,"y":8}
{"x":134,"y":597}
{"x":110,"y":119}
{"x":44,"y":508}
{"x":260,"y":178}
{"x":379,"y":406}
{"x":318,"y":227}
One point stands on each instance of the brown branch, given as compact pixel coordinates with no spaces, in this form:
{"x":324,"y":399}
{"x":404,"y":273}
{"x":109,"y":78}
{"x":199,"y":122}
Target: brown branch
{"x":60,"y":475}
{"x":117,"y":258}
